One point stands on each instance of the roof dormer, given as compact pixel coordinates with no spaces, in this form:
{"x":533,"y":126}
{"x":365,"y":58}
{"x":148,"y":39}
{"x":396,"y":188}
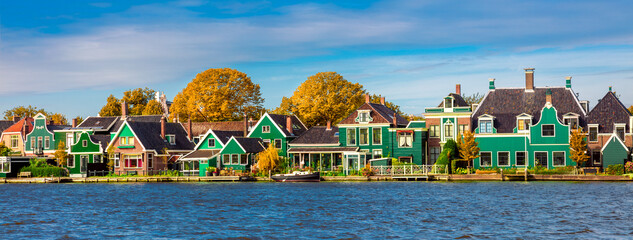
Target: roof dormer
{"x":524,"y":121}
{"x":364,"y":116}
{"x":571,"y":119}
{"x":449,"y":102}
{"x":486,"y":124}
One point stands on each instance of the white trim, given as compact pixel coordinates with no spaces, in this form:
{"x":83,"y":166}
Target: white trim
{"x":359,"y":136}
{"x":480,"y":164}
{"x":542,"y":132}
{"x":564,"y":159}
{"x":508,"y":154}
{"x":271,"y":119}
{"x":546,"y":154}
{"x":597,"y":126}
{"x":372,"y":136}
{"x":609,"y":141}
{"x":525,"y":158}
{"x":419,"y":121}
{"x":119,"y":132}
{"x":238,"y":144}
{"x":364,"y":125}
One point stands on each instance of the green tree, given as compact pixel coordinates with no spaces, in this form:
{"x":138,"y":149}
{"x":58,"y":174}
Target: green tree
{"x":449,"y":153}
{"x":578,"y":147}
{"x":112,"y":107}
{"x":4,"y":150}
{"x":218,"y":94}
{"x":268,"y":160}
{"x":153,"y":108}
{"x":473,"y":98}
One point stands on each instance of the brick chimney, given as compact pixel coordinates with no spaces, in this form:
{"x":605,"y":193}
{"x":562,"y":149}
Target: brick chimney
{"x":123,"y":110}
{"x":162,"y":127}
{"x":289,"y":124}
{"x":458,"y":89}
{"x":529,"y":79}
{"x":491,"y":86}
{"x":16,"y":118}
{"x":74,"y":123}
{"x":329,"y":125}
{"x":189,"y":128}
{"x":367,"y":98}
{"x":395,"y":120}
{"x":548,"y":96}
{"x":382,"y":100}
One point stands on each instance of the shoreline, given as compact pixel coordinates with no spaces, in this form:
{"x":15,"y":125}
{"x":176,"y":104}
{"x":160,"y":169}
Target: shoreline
{"x":441,"y":178}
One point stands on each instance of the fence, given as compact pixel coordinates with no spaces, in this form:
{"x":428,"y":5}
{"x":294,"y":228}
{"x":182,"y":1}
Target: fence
{"x":408,"y":170}
{"x":141,"y":173}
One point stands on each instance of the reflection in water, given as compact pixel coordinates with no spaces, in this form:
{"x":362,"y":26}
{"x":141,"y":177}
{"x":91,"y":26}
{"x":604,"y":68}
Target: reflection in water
{"x":323,"y":210}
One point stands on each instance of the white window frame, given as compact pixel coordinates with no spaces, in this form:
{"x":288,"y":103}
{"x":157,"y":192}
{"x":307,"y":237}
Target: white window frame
{"x":408,"y":134}
{"x":461,"y":128}
{"x":71,"y":163}
{"x":33,"y":143}
{"x":353,"y":135}
{"x":553,"y":130}
{"x":80,"y":162}
{"x":209,"y":141}
{"x":481,"y":158}
{"x":243,"y":159}
{"x":525,"y":158}
{"x":433,"y":132}
{"x":486,"y":118}
{"x":360,"y":136}
{"x":69,"y":139}
{"x":615,"y":130}
{"x":567,"y":122}
{"x":376,"y":152}
{"x":278,"y":143}
{"x":452,"y":102}
{"x":117,"y":159}
{"x":366,"y":119}
{"x":373,"y":131}
{"x":265,"y":129}
{"x":136,"y":157}
{"x":84,"y":143}
{"x":266,"y":142}
{"x":237,"y":159}
{"x":226,"y":159}
{"x":524,"y":118}
{"x":171,"y":138}
{"x":507,"y":153}
{"x":47,"y":142}
{"x":546,"y":156}
{"x":554,"y":159}
{"x":433,"y":156}
{"x":15,"y":138}
{"x":150,"y":160}
{"x":452,"y":131}
{"x":3,"y":161}
{"x":593,"y":126}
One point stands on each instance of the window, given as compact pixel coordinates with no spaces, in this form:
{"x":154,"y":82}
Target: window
{"x":69,"y":140}
{"x":5,"y":165}
{"x":485,"y":159}
{"x":84,"y":143}
{"x":278,"y":143}
{"x":150,"y":160}
{"x":619,"y":131}
{"x":235,"y":159}
{"x":434,"y":154}
{"x":571,"y":122}
{"x":596,"y":156}
{"x":204,"y":161}
{"x":243,"y":159}
{"x":448,"y":130}
{"x":98,"y":159}
{"x":47,"y":142}
{"x":226,"y":159}
{"x":171,"y":139}
{"x":462,"y":129}
{"x":524,"y":124}
{"x":266,"y":142}
{"x":405,"y":139}
{"x":559,"y":158}
{"x":33,"y":143}
{"x":520,"y":158}
{"x":83,"y":163}
{"x":14,"y":141}
{"x":547,"y":130}
{"x":434,"y":131}
{"x":39,"y":142}
{"x":503,"y":158}
{"x":376,"y":136}
{"x":266,"y":129}
{"x":363,"y":136}
{"x":485,"y":126}
{"x":363,"y":116}
{"x":540,"y":158}
{"x":196,"y":140}
{"x":377,"y":153}
{"x":405,"y":159}
{"x":133,"y":161}
{"x":115,"y":157}
{"x":593,"y":133}
{"x":351,"y":136}
{"x":448,"y":103}
{"x":71,"y":162}
{"x":127,"y":141}
{"x":210,"y":142}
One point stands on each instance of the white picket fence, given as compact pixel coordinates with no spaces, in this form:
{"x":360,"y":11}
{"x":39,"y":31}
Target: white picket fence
{"x":407,"y":170}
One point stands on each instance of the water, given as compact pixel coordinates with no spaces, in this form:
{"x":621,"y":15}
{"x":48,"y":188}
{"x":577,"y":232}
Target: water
{"x":366,"y":210}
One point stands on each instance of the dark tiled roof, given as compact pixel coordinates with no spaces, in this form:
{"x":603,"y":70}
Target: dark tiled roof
{"x":505,"y":104}
{"x":204,"y":153}
{"x":607,"y":112}
{"x":4,"y":124}
{"x":102,"y":139}
{"x":458,"y":101}
{"x":17,"y":127}
{"x":318,"y":135}
{"x":251,"y":145}
{"x":149,"y":135}
{"x":224,"y":136}
{"x":97,"y":123}
{"x":200,"y":128}
{"x":380,"y":114}
{"x":280,"y":120}
{"x":137,"y":118}
{"x":322,"y":149}
{"x":57,"y":127}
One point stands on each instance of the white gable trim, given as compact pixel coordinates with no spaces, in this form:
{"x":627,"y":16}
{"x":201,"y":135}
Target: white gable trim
{"x":238,"y":144}
{"x":82,"y":132}
{"x":274,"y":123}
{"x":45,"y":128}
{"x":202,"y":139}
{"x":613,"y":136}
{"x":119,"y":132}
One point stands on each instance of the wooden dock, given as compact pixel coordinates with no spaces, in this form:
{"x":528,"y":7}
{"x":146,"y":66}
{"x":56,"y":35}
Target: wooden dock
{"x":128,"y":179}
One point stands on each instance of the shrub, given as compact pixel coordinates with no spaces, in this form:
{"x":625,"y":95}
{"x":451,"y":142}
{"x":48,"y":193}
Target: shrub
{"x":39,"y":168}
{"x":617,"y":169}
{"x":628,"y":167}
{"x":366,"y":171}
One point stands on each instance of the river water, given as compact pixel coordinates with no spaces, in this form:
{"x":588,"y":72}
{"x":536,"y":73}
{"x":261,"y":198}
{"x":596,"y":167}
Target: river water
{"x":358,"y":210}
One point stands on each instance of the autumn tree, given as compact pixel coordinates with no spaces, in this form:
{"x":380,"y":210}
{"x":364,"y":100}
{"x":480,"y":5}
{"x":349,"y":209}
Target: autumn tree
{"x":268,"y":160}
{"x":60,"y":154}
{"x":58,"y":118}
{"x":474,"y":98}
{"x":112,"y":107}
{"x":22,"y":111}
{"x":137,"y":101}
{"x":631,"y":109}
{"x":79,"y":119}
{"x":152,"y":108}
{"x":218,"y":94}
{"x":468,"y":148}
{"x":578,"y":147}
{"x":325,"y":96}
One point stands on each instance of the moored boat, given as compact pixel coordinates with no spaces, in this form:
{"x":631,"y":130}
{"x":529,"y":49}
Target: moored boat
{"x":298,"y":177}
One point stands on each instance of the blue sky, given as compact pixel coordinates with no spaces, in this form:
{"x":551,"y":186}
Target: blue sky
{"x":68,"y":56}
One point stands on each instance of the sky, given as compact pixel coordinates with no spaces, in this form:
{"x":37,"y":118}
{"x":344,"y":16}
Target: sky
{"x":69,"y":56}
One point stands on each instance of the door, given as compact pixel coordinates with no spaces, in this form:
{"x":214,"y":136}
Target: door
{"x":83,"y":163}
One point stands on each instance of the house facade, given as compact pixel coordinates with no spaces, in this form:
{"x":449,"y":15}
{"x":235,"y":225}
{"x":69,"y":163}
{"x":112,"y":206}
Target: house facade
{"x":447,"y":121}
{"x":45,"y":137}
{"x":278,"y":130}
{"x":319,"y":148}
{"x":206,"y":152}
{"x":240,"y":153}
{"x":525,"y":127}
{"x":85,"y":151}
{"x":14,"y":136}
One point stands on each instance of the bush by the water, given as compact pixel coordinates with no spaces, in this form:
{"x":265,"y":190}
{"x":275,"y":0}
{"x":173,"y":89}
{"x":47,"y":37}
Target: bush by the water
{"x":628,"y":167}
{"x":39,"y":168}
{"x":617,"y":169}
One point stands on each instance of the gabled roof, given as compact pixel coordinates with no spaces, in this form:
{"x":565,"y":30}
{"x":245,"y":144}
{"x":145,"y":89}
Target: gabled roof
{"x":200,"y":154}
{"x":200,"y":128}
{"x":608,"y":112}
{"x":4,"y":124}
{"x":99,"y":123}
{"x":57,"y":127}
{"x":17,"y":127}
{"x":458,"y":101}
{"x":225,"y":136}
{"x":102,"y":139}
{"x":250,"y":145}
{"x":380,"y":114}
{"x":136,"y":118}
{"x":149,"y":134}
{"x":505,"y":104}
{"x":298,"y":127}
{"x":318,"y":135}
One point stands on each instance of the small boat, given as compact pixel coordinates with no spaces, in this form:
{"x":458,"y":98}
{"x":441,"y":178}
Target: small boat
{"x":298,"y":176}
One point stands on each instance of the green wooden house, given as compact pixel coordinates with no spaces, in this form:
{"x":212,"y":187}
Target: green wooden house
{"x":206,"y":152}
{"x":614,"y":152}
{"x":240,"y":153}
{"x":278,"y":130}
{"x":87,"y":149}
{"x":524,"y":127}
{"x":610,"y":133}
{"x":45,"y":137}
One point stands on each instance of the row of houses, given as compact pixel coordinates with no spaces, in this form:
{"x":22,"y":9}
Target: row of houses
{"x":514,"y":127}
